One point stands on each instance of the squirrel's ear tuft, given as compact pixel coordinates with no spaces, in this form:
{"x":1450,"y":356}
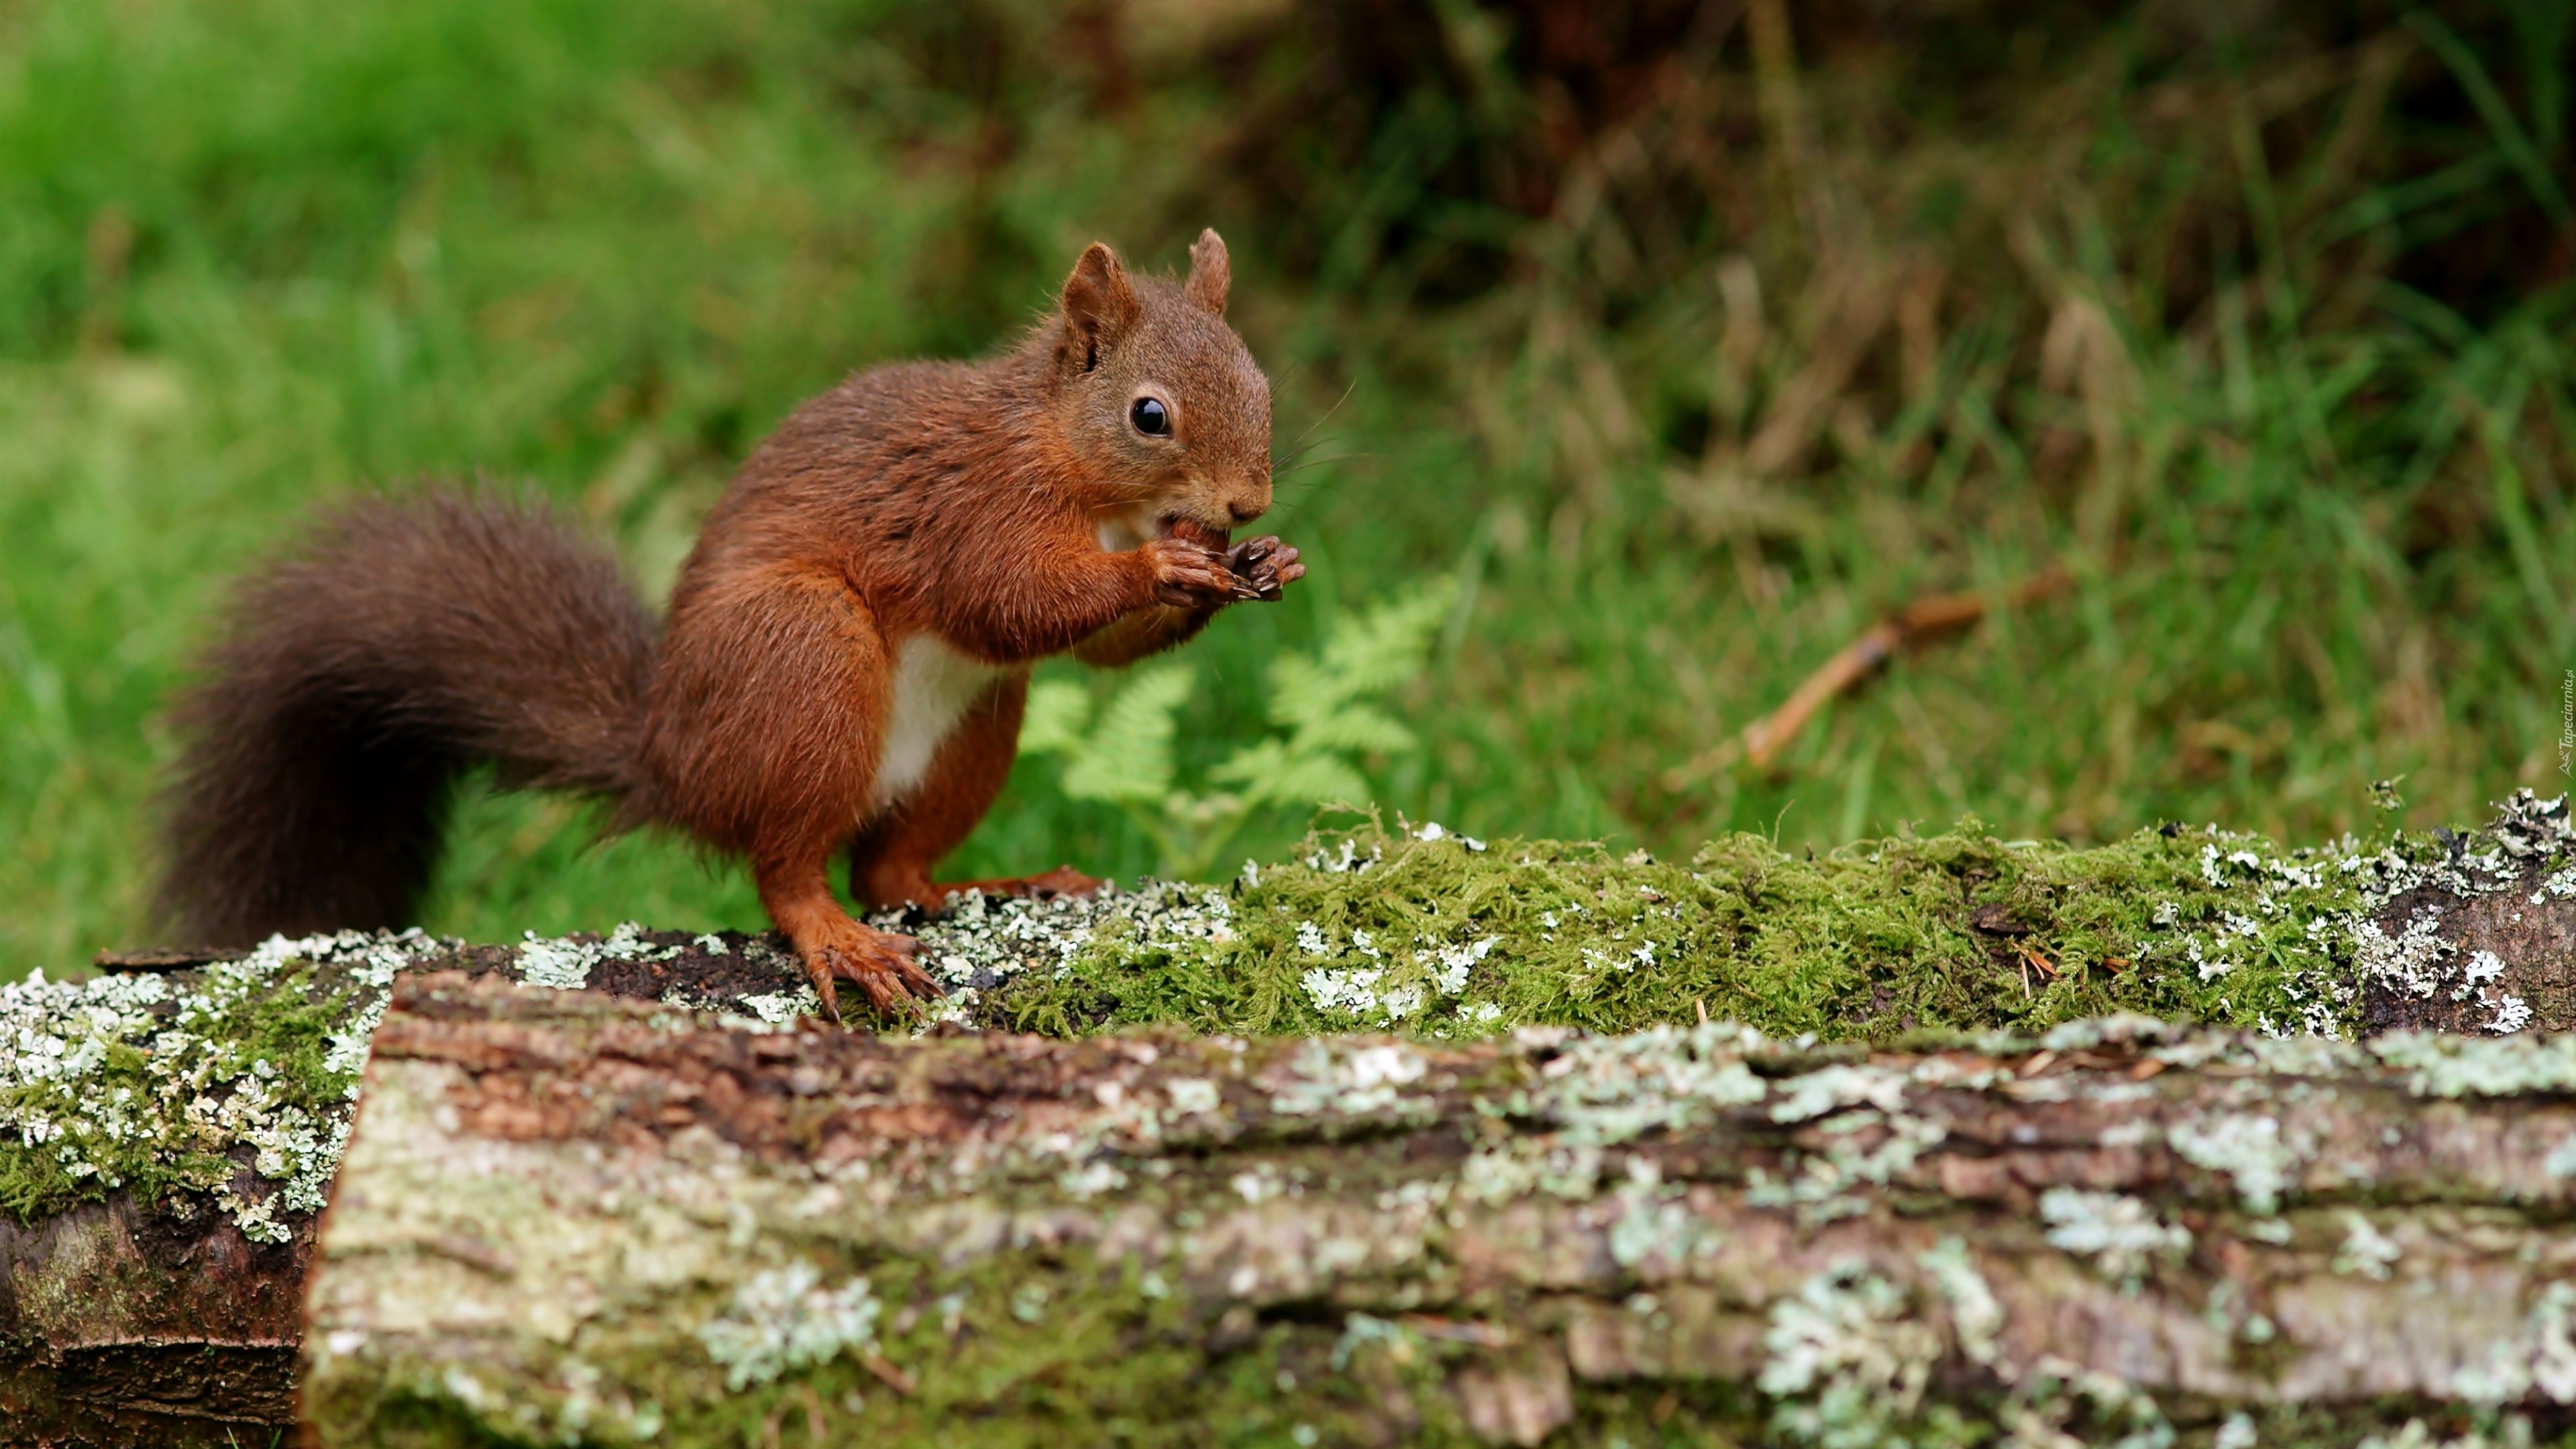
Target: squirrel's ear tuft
{"x":1099,"y":305}
{"x":1209,"y":274}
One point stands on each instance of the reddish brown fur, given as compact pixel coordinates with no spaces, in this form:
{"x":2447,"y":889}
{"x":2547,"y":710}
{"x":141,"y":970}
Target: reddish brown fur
{"x":964,"y":502}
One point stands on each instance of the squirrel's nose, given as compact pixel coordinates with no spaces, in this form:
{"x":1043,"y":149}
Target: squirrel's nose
{"x":1245,"y":509}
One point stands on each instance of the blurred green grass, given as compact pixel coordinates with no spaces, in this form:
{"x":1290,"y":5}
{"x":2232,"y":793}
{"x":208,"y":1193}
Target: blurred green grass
{"x":2264,"y":333}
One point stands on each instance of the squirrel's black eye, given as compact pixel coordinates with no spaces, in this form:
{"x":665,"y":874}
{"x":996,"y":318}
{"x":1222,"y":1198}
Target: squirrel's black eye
{"x":1151,"y":417}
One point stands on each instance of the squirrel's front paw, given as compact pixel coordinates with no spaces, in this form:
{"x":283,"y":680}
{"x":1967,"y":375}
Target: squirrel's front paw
{"x":1188,"y":575}
{"x":1264,"y":568}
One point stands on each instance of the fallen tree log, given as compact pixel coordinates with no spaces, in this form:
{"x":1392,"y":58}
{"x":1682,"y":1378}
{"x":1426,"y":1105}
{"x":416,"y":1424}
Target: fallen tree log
{"x":167,"y":1135}
{"x":570,"y":1218}
{"x":169,"y":1129}
{"x":125,"y":1325}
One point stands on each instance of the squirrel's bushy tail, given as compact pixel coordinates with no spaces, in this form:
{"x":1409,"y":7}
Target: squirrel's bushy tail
{"x":404,"y":641}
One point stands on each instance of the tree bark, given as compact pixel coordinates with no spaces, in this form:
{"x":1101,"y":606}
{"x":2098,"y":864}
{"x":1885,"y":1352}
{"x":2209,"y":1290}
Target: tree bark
{"x":566,"y":1217}
{"x":121,"y":1325}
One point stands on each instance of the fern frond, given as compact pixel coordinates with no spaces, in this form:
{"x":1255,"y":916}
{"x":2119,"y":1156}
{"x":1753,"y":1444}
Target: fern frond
{"x":1326,"y":708}
{"x":1354,"y":729}
{"x":1057,"y":711}
{"x":1305,"y":781}
{"x":1368,"y":653}
{"x":1251,"y":763}
{"x":1127,"y":758}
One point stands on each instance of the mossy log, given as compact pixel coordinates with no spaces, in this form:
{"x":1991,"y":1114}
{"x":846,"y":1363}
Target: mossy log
{"x":168,"y":1129}
{"x":569,"y":1218}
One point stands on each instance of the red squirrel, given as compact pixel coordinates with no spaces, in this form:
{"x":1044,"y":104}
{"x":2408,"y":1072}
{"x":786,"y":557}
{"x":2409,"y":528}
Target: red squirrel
{"x":842,"y":668}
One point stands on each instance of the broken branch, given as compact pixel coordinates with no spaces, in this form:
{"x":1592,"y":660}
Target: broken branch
{"x":1911,"y":627}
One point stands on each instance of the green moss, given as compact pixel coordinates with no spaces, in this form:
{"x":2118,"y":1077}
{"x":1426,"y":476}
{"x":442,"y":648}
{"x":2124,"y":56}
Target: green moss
{"x":1099,"y":1362}
{"x":1426,"y":932}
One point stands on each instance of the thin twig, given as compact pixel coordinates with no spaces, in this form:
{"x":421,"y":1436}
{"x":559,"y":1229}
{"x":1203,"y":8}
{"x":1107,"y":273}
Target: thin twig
{"x":889,"y":1375}
{"x":2037,"y":958}
{"x":1911,"y":627}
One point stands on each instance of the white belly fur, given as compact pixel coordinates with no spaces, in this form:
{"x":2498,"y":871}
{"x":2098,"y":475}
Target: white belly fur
{"x":933,"y":684}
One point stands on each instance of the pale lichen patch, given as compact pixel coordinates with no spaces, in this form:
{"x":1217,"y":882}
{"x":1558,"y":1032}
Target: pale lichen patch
{"x":2540,"y":1360}
{"x":2450,"y":1066}
{"x":1350,"y":1080}
{"x":784,"y":1318}
{"x":2250,"y":1147}
{"x":2120,"y":1233}
{"x":1976,"y":1317}
{"x":235,"y":1081}
{"x":1847,"y":1360}
{"x":2366,"y":1250}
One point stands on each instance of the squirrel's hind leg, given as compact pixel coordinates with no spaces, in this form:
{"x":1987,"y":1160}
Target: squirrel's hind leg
{"x":762,"y":735}
{"x":890,"y":863}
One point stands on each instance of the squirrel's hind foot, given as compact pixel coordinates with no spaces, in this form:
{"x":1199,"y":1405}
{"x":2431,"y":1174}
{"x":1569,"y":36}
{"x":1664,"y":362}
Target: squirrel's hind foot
{"x":889,"y":890}
{"x":879,"y":963}
{"x":1064,"y":880}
